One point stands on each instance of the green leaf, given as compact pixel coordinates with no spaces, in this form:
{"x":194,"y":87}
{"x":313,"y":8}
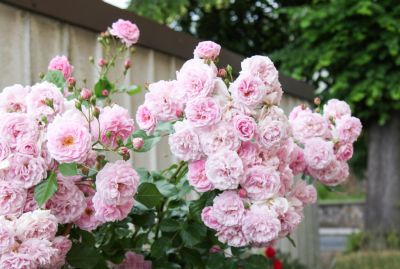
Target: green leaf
{"x":193,"y":233}
{"x":256,"y":262}
{"x":149,"y":140}
{"x":145,"y":220}
{"x":167,"y":189}
{"x":159,"y":247}
{"x":216,"y":260}
{"x":102,"y":84}
{"x":68,"y":169}
{"x":149,"y":195}
{"x":192,"y":257}
{"x":164,"y":127}
{"x":134,"y":89}
{"x":56,"y":77}
{"x":83,"y":256}
{"x":197,"y":206}
{"x":170,"y":225}
{"x":46,"y":189}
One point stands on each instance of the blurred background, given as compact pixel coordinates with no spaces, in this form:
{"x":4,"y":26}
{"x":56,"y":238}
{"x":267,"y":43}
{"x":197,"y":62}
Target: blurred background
{"x":345,"y":49}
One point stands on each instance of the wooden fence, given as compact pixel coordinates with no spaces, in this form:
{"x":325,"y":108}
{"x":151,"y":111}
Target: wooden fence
{"x":32,"y":32}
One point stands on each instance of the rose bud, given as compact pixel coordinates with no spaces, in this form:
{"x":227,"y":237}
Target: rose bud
{"x":215,"y":249}
{"x":222,"y":72}
{"x":242,"y":193}
{"x":137,"y":143}
{"x":86,"y":94}
{"x":71,"y":81}
{"x":127,"y":63}
{"x":102,"y":62}
{"x":270,"y":252}
{"x":104,"y":92}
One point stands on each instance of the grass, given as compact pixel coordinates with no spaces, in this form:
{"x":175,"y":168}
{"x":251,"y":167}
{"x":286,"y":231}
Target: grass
{"x":339,"y":194}
{"x":388,"y":259}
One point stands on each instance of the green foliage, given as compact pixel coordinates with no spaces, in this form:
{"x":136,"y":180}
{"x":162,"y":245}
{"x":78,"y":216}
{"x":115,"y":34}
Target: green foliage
{"x":369,"y":260}
{"x":56,"y":77}
{"x":68,"y":169}
{"x":46,"y":189}
{"x":102,"y":84}
{"x":148,"y":195}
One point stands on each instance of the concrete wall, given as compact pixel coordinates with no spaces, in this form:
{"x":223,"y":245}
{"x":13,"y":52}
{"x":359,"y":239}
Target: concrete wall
{"x":28,"y":41}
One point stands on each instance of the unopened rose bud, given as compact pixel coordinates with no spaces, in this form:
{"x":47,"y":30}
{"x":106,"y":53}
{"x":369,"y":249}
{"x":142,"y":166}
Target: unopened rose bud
{"x":41,"y":75}
{"x":104,"y":92}
{"x":96,"y":112}
{"x":108,"y":134}
{"x":317,"y":101}
{"x":43,"y":119}
{"x":86,"y":94}
{"x":49,"y":102}
{"x":93,"y":100}
{"x":78,"y":105}
{"x":127,"y":63}
{"x":124,"y":152}
{"x":71,"y":81}
{"x":242,"y":193}
{"x":137,"y":143}
{"x":215,"y":249}
{"x":222,"y":72}
{"x":102,"y":62}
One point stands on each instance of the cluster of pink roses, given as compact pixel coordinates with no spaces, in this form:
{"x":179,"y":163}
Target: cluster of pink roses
{"x":30,"y":241}
{"x":40,"y":130}
{"x":237,"y":140}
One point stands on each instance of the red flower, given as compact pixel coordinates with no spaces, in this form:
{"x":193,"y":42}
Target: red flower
{"x":278,"y":264}
{"x":270,"y":252}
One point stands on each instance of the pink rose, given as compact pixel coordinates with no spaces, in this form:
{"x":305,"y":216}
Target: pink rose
{"x":348,"y":129}
{"x":309,"y":125}
{"x":297,"y":161}
{"x":252,"y":155}
{"x":38,"y":224}
{"x":15,"y":128}
{"x":224,"y":169}
{"x":261,"y":226}
{"x":208,"y":218}
{"x":28,"y":148}
{"x":207,"y":50}
{"x":287,"y":177}
{"x":185,"y":143}
{"x":248,"y":90}
{"x":12,"y":199}
{"x":245,"y":127}
{"x":25,"y":171}
{"x":307,"y":194}
{"x":45,"y":99}
{"x":202,"y":111}
{"x":30,"y":203}
{"x":289,"y":222}
{"x":261,"y":182}
{"x":40,"y":250}
{"x":62,"y":64}
{"x":145,"y":119}
{"x":299,"y":111}
{"x":17,"y":260}
{"x":162,"y":102}
{"x":126,"y":31}
{"x":4,"y":150}
{"x":344,"y":152}
{"x":68,"y":140}
{"x":197,"y":176}
{"x":233,"y":236}
{"x":261,"y":67}
{"x":318,"y":153}
{"x":106,"y":212}
{"x":228,"y":209}
{"x":88,"y":221}
{"x":219,"y":137}
{"x":62,"y":245}
{"x":117,"y":183}
{"x":7,"y":236}
{"x":12,"y":98}
{"x":336,"y":109}
{"x":132,"y":261}
{"x":334,"y":174}
{"x":115,"y":123}
{"x":272,"y":133}
{"x":196,"y":78}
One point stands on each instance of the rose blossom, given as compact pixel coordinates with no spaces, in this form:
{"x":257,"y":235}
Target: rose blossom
{"x":7,"y":235}
{"x":4,"y":150}
{"x":318,"y":153}
{"x":344,"y":152}
{"x":30,"y":203}
{"x":261,"y":67}
{"x":348,"y":129}
{"x":289,"y":221}
{"x":218,"y":137}
{"x":145,"y":119}
{"x":106,"y":212}
{"x":38,"y":224}
{"x":248,"y":89}
{"x":228,"y":208}
{"x":297,"y":162}
{"x":88,"y":221}
{"x":28,"y":148}
{"x":261,"y":182}
{"x":207,"y":50}
{"x":115,"y":123}
{"x":287,"y":178}
{"x":162,"y":102}
{"x":196,"y":78}
{"x":208,"y":218}
{"x":125,"y":30}
{"x":133,"y":261}
{"x":261,"y":226}
{"x":245,"y":127}
{"x":224,"y":169}
{"x":185,"y":143}
{"x":202,"y":111}
{"x":40,"y":96}
{"x":40,"y":250}
{"x":309,"y":125}
{"x":272,"y":133}
{"x":12,"y":98}
{"x":62,"y":64}
{"x":12,"y":199}
{"x":17,"y":260}
{"x":62,"y":245}
{"x":307,"y":194}
{"x":336,"y":109}
{"x":197,"y":176}
{"x":117,"y":182}
{"x":335,"y":173}
{"x":68,"y":140}
{"x":16,"y":127}
{"x":25,"y":171}
{"x":233,"y":236}
{"x":299,"y":111}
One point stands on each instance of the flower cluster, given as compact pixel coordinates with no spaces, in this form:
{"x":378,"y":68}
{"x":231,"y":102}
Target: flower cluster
{"x":52,"y":156}
{"x":30,"y":241}
{"x":238,"y":142}
{"x":132,"y":261}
